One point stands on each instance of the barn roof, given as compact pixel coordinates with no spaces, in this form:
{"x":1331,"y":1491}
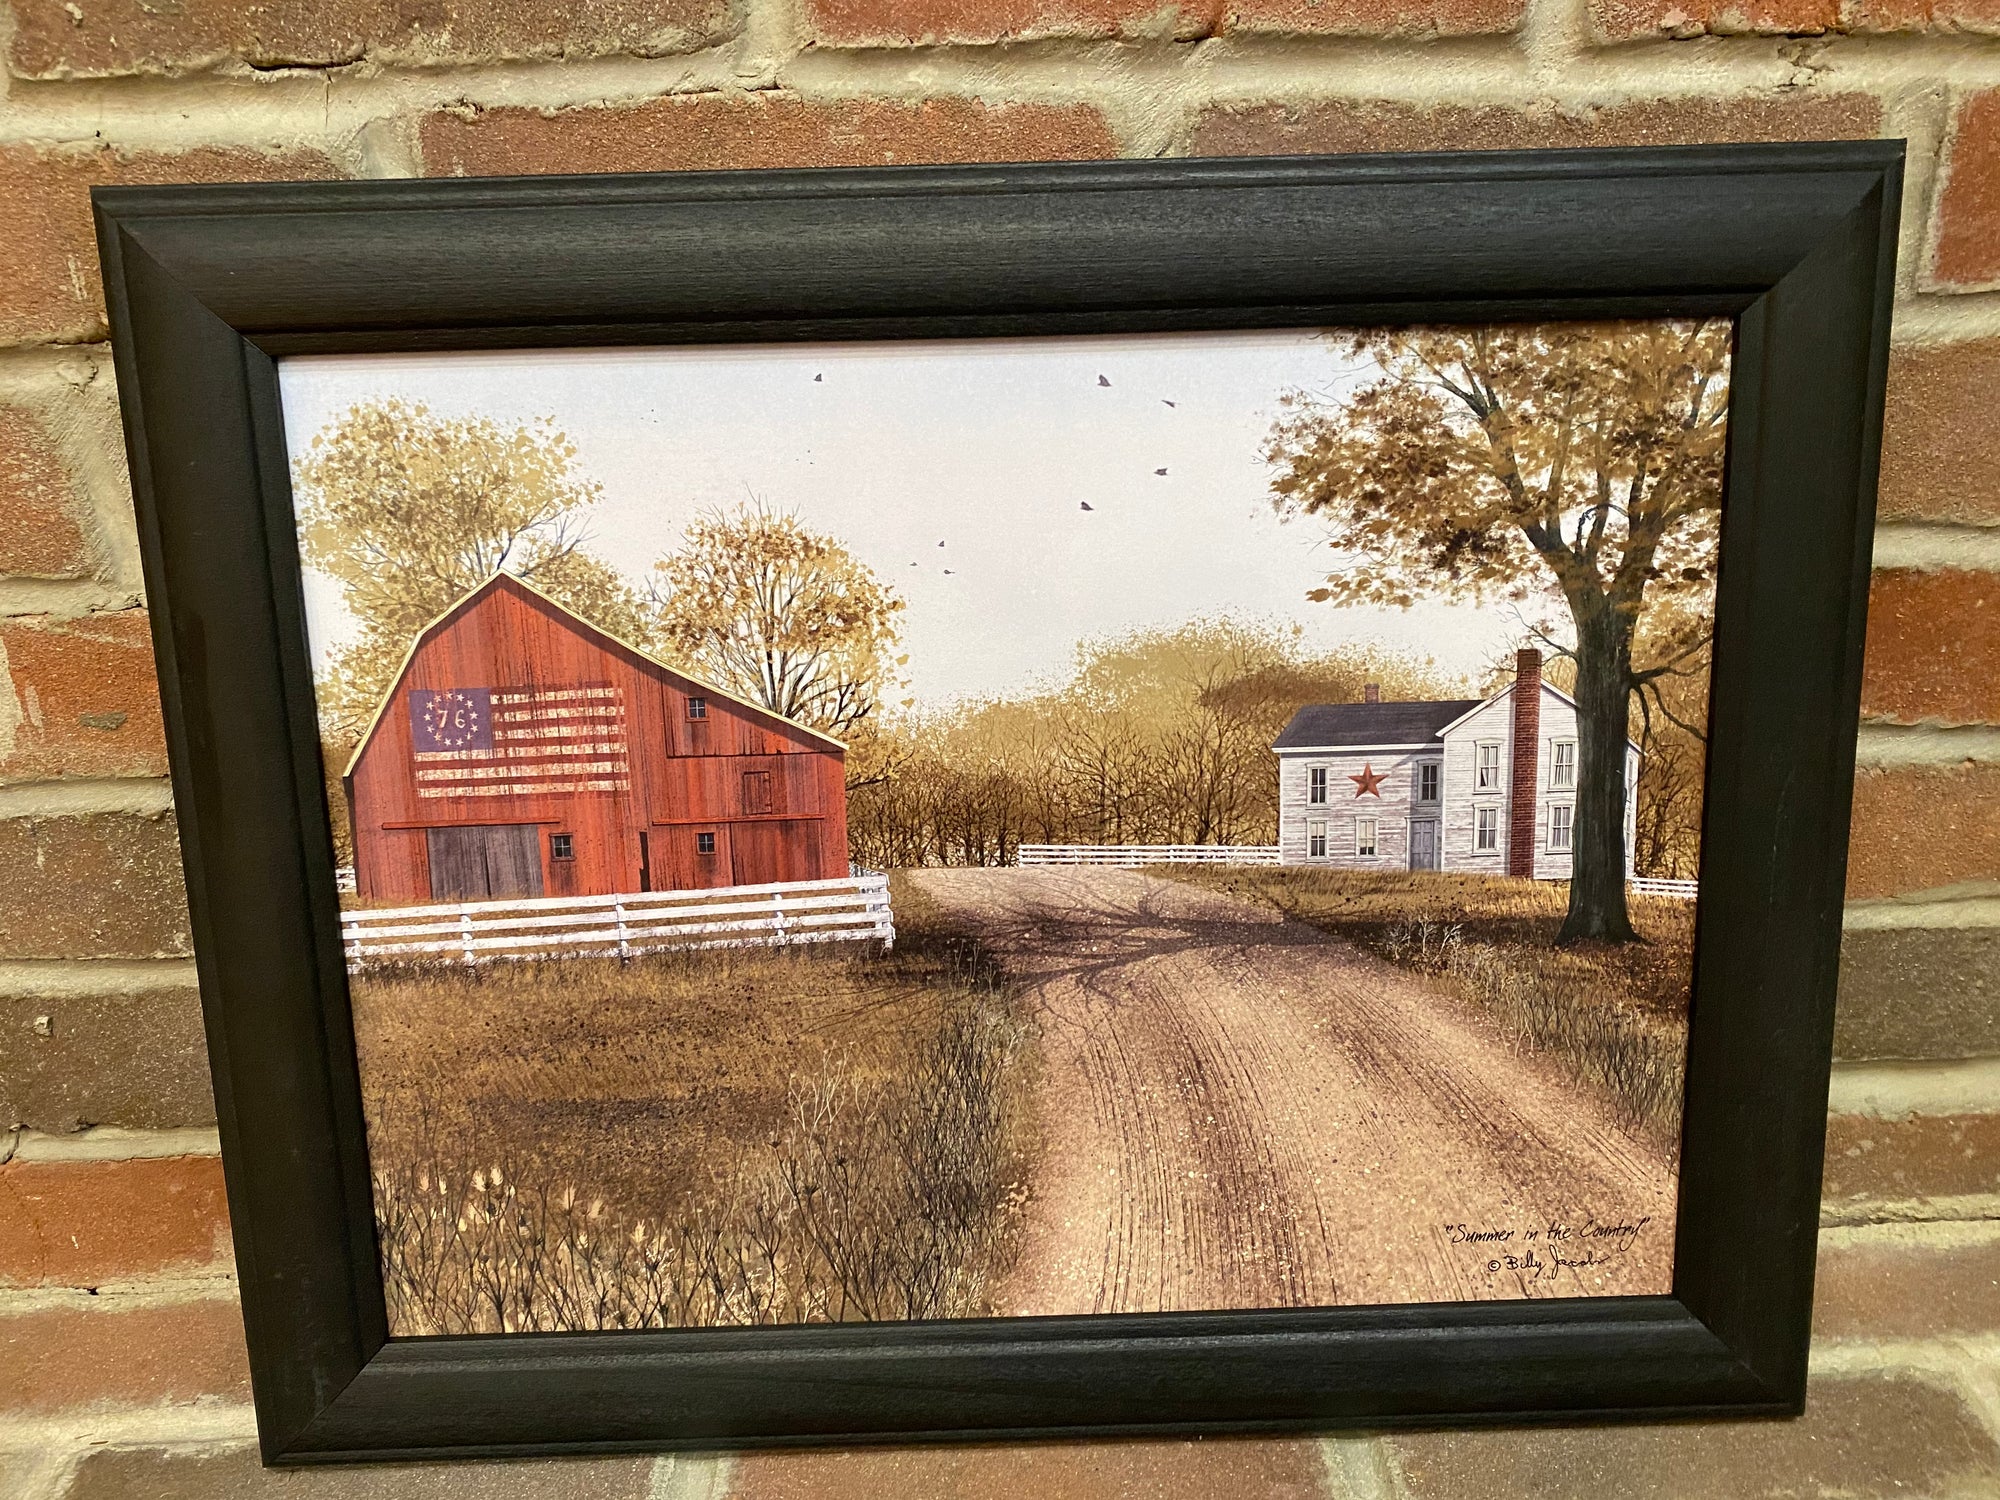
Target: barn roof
{"x":1323,"y":726}
{"x":645,"y":658}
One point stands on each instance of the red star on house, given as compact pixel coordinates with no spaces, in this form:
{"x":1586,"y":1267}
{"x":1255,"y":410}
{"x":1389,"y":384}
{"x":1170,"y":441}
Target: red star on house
{"x":1368,"y":783}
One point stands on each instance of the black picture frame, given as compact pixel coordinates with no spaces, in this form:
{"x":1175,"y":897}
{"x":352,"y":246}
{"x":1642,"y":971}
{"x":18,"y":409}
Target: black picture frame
{"x":208,"y":286}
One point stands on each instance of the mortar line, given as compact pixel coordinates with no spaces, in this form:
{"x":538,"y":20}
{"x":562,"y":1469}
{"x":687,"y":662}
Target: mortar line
{"x":1933,"y":545}
{"x":92,"y":978}
{"x":112,"y":1143}
{"x":1885,"y":746}
{"x":144,"y":796}
{"x":1891,"y":1090}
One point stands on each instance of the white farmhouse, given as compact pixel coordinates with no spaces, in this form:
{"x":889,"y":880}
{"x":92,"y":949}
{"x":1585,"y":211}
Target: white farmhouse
{"x":1477,"y":785}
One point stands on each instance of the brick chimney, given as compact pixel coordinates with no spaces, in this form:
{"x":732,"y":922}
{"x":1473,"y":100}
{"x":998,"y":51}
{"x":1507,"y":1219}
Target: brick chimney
{"x":1522,"y":762}
{"x":1372,"y":693}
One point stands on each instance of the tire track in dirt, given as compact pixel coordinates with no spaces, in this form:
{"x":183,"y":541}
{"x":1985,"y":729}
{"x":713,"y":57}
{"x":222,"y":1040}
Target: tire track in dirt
{"x":1243,"y":1111}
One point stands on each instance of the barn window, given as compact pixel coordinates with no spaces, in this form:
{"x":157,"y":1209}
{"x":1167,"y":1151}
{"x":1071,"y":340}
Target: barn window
{"x":562,"y":846}
{"x":1364,"y":836}
{"x":1486,"y":831}
{"x":1316,"y":784}
{"x":704,"y":843}
{"x":1316,"y":839}
{"x":1560,"y":814}
{"x":697,"y":708}
{"x":756,"y":791}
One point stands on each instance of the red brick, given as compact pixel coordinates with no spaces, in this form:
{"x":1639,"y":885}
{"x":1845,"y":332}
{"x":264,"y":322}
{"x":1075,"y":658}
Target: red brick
{"x":1911,"y":1160}
{"x":862,"y":23}
{"x":1905,"y":1282}
{"x":135,"y":1060}
{"x":1918,"y":992}
{"x":1940,"y":447}
{"x":1386,"y":126}
{"x":109,"y":1353}
{"x":52,"y":289}
{"x":1917,"y":830}
{"x":79,"y":698}
{"x":1223,"y":1469}
{"x":712,"y":131}
{"x":39,"y":533}
{"x":85,"y":1223}
{"x":57,"y":39}
{"x":1625,"y":19}
{"x":1376,"y":17}
{"x":205,"y":1472}
{"x":102,"y":885}
{"x":1628,"y":19}
{"x":1933,"y":647}
{"x":1981,"y":16}
{"x":1861,"y":1437}
{"x":1967,"y":248}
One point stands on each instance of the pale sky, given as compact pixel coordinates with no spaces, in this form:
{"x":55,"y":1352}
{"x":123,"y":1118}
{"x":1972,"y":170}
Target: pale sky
{"x":991,"y":447}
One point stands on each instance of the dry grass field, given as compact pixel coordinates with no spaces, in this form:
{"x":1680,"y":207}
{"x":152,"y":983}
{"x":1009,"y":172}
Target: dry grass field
{"x":714,"y":1137}
{"x":1614,"y":1015}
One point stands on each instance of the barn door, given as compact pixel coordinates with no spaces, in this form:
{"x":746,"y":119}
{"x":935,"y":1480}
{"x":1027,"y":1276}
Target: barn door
{"x":757,"y":853}
{"x":493,"y":862}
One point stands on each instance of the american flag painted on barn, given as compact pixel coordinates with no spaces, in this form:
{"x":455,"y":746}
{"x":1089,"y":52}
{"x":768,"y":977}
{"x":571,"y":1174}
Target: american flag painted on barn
{"x":518,"y":741}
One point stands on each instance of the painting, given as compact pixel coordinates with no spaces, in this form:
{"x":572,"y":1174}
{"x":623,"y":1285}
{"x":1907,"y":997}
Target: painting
{"x":1014,"y":827}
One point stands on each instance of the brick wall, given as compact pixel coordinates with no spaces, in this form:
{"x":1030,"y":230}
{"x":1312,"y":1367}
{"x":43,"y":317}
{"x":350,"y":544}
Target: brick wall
{"x":121,"y":1366}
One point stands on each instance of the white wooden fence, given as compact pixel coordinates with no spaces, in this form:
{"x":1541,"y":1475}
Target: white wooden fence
{"x":343,"y":879}
{"x":1683,"y":890}
{"x":800,"y":911}
{"x":1148,"y":854}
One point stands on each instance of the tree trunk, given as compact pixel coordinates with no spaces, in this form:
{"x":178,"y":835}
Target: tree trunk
{"x":1597,"y":835}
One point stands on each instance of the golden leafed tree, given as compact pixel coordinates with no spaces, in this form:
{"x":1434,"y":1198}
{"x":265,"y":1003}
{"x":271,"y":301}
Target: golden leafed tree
{"x":1581,"y":462}
{"x":781,"y":615}
{"x":407,"y":511}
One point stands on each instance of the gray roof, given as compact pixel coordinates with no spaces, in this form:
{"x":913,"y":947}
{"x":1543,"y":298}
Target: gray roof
{"x":1328,"y":724}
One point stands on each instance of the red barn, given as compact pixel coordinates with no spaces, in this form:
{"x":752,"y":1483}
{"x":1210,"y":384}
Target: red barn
{"x":521,"y":751}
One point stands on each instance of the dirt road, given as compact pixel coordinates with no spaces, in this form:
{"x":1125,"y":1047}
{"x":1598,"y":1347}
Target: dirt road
{"x":1243,"y":1111}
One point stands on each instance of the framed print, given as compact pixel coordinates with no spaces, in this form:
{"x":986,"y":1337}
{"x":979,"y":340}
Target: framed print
{"x":970,"y":802}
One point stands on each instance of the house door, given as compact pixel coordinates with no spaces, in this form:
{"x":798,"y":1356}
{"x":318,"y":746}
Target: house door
{"x":493,"y":862}
{"x":1423,"y":844}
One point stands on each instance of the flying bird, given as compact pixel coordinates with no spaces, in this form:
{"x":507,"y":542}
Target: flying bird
{"x":1161,"y":472}
{"x":940,"y":544}
{"x":1102,"y":381}
{"x":1086,"y":505}
{"x":947,"y":572}
{"x":818,"y":378}
{"x":1165,"y":402}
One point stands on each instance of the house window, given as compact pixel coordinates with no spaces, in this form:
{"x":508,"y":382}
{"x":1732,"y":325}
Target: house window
{"x":1316,"y":839}
{"x":562,"y":846}
{"x":1364,"y":836}
{"x":1486,"y":830}
{"x":1560,"y":814}
{"x":704,"y":843}
{"x":1488,"y":779}
{"x":1562,"y":763}
{"x":1316,"y":784}
{"x":1427,"y":781}
{"x":697,"y":708}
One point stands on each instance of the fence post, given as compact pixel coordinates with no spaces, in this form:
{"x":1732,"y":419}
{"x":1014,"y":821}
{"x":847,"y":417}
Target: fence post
{"x":778,"y":915}
{"x":624,"y":947}
{"x":465,"y":932}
